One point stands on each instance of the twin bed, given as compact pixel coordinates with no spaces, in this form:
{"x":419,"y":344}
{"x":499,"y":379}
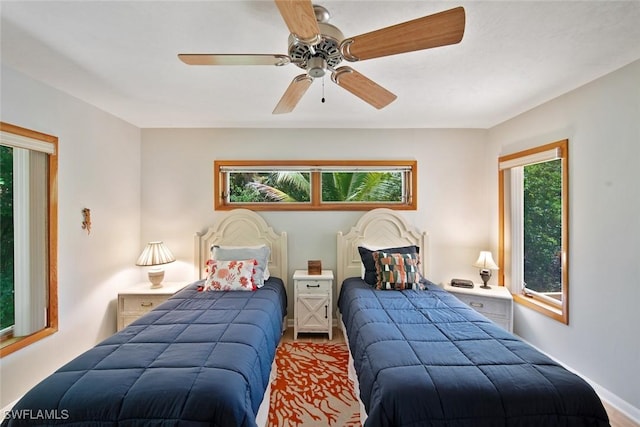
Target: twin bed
{"x":199,"y":359}
{"x":424,"y":358}
{"x":418,"y":357}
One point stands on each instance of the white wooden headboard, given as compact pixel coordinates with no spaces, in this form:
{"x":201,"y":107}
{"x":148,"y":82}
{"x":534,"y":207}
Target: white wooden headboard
{"x":381,"y":228}
{"x":242,"y":227}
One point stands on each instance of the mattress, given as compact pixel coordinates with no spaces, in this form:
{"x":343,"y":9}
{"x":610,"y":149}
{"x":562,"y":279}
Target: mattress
{"x":200,"y":358}
{"x":423,"y":358}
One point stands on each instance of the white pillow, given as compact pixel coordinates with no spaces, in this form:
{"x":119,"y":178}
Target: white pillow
{"x":260,"y":253}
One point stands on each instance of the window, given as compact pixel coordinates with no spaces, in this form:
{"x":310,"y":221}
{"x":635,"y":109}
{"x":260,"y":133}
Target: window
{"x":534,"y":213}
{"x":315,"y":185}
{"x":28,"y":242}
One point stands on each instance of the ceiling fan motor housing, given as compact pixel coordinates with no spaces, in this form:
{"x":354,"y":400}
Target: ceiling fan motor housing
{"x":316,"y":66}
{"x":318,"y":57}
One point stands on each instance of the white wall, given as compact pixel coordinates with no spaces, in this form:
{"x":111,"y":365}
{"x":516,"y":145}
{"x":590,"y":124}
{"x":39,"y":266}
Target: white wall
{"x":602,"y":122}
{"x":98,"y":168}
{"x":177,"y":189}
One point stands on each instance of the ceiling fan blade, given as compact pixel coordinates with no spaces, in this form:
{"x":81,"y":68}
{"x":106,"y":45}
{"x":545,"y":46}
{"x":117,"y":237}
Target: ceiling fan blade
{"x":293,"y":94}
{"x":300,"y":19}
{"x":362,"y":87}
{"x":440,"y":29}
{"x":232,"y":59}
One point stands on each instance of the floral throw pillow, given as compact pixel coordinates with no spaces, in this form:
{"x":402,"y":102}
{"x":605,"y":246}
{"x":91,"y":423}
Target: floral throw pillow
{"x":396,"y":271}
{"x":261,"y":253}
{"x":236,"y":275}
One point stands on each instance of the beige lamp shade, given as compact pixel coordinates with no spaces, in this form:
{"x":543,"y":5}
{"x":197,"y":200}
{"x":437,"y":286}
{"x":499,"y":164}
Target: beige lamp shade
{"x":485,"y":261}
{"x":155,"y":254}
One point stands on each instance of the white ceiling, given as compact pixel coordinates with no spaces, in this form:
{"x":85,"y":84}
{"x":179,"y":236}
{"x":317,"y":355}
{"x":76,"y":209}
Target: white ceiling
{"x":121,"y":57}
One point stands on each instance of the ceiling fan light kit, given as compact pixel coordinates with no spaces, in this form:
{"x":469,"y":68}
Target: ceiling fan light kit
{"x":317,"y":47}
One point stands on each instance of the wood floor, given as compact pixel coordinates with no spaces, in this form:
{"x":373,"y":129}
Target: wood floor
{"x":616,"y":418}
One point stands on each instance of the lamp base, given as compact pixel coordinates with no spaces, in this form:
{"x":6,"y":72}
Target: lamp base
{"x":155,"y":277}
{"x":485,"y":274}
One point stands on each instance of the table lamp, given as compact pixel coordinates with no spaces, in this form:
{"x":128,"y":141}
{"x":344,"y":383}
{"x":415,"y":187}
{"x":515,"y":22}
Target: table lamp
{"x":154,"y":255}
{"x":485,"y":263}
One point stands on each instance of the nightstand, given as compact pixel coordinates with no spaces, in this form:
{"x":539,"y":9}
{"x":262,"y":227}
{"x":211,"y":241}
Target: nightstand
{"x":313,"y":302}
{"x":139,"y":299}
{"x":495,"y":303}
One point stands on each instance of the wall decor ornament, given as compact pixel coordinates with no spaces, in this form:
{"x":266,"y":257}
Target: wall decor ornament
{"x":86,"y":220}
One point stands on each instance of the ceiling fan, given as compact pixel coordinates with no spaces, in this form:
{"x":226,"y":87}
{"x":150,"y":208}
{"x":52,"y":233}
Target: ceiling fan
{"x":317,"y":47}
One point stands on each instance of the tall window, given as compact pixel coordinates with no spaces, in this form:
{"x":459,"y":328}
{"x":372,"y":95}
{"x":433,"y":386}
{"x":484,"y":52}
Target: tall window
{"x":534,"y":216}
{"x":28,"y":241}
{"x":315,"y":185}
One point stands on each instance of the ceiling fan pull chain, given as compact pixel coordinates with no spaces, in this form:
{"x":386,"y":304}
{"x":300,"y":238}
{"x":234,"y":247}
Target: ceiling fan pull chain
{"x":323,"y":89}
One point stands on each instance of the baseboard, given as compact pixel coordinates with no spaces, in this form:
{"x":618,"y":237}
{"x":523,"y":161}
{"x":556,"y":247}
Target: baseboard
{"x":620,"y":405}
{"x":290,"y":322}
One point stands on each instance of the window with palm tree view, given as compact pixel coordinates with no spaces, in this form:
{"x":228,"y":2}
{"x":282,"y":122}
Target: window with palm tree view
{"x":315,"y":185}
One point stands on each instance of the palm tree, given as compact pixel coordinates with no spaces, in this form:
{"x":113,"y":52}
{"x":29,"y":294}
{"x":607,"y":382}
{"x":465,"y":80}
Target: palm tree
{"x":361,"y":187}
{"x":290,"y":186}
{"x":284,"y":186}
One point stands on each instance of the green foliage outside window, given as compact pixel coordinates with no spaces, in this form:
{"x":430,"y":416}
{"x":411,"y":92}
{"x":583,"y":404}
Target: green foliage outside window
{"x":7,"y":314}
{"x":262,"y":187}
{"x":543,"y":226}
{"x":362,"y":187}
{"x":287,"y":186}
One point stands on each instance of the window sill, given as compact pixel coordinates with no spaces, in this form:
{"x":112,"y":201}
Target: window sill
{"x":17,"y":343}
{"x":544,"y":308}
{"x":325,"y":206}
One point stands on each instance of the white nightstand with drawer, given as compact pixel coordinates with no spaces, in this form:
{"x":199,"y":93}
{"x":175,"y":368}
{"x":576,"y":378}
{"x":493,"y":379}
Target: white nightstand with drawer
{"x":495,"y":303}
{"x":313,"y":302}
{"x":139,"y":299}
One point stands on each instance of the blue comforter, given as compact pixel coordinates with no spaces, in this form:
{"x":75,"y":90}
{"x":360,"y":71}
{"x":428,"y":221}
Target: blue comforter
{"x":423,"y":358}
{"x":200,"y":358}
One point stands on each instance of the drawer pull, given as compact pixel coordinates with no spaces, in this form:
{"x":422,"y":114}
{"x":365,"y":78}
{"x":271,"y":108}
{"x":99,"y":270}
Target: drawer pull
{"x":326,"y":312}
{"x":317,"y":285}
{"x":476,"y":304}
{"x":146,"y":304}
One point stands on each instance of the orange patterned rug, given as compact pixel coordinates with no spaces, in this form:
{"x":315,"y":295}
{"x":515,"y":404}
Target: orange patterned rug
{"x":312,"y":387}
